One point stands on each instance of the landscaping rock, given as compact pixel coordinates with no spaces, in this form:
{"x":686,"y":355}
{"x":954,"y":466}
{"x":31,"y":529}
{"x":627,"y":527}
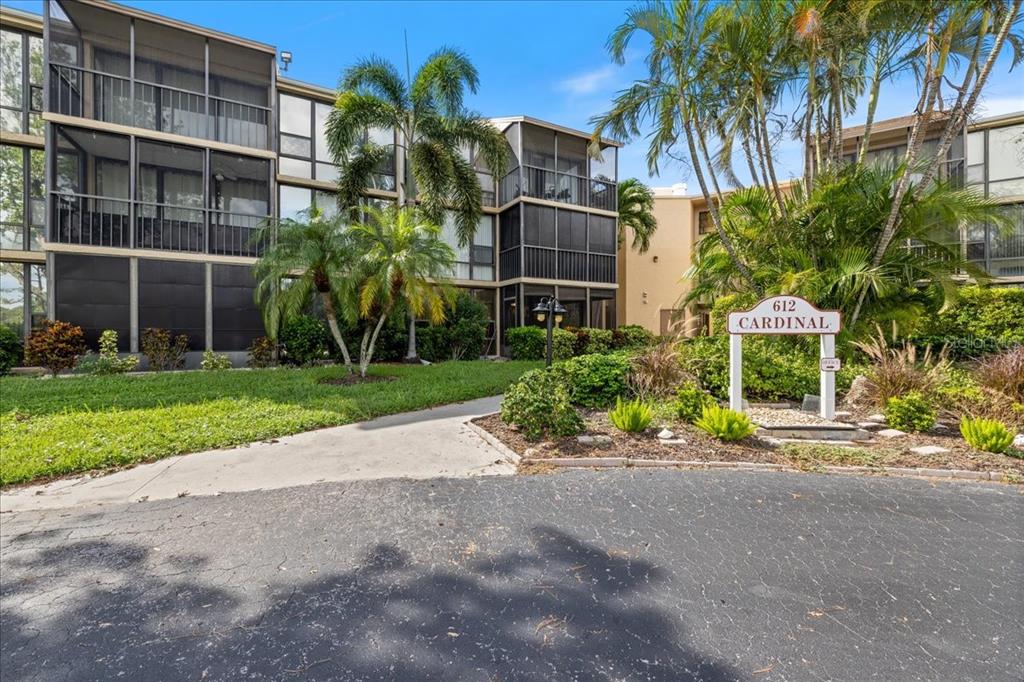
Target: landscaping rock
{"x":666,"y":434}
{"x":891,"y":433}
{"x":871,"y":426}
{"x":530,"y":452}
{"x":811,"y":403}
{"x":876,"y":418}
{"x":858,"y":395}
{"x":599,"y":440}
{"x":843,"y":415}
{"x":929,"y":450}
{"x":1018,"y":441}
{"x":939,"y":428}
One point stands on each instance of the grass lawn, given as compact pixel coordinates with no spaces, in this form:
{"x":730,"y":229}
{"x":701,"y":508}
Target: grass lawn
{"x":62,"y":426}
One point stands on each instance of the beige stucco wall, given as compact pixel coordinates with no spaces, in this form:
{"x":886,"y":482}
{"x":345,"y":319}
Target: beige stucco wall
{"x":652,"y":282}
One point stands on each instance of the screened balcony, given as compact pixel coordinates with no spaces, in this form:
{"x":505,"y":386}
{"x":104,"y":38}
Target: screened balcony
{"x":548,"y":243}
{"x":173,"y":198}
{"x":109,"y":67}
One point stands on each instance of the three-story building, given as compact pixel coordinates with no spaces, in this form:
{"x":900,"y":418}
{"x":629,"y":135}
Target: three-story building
{"x":141,"y":154}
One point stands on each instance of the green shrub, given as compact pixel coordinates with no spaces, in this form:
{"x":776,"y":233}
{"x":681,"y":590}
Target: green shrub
{"x":530,"y":343}
{"x":212,"y":362}
{"x":460,"y":337}
{"x":261,"y":353}
{"x":526,"y":343}
{"x":691,"y":401}
{"x":725,"y":424}
{"x":392,"y":342}
{"x":774,"y":368}
{"x":55,"y":345}
{"x":725,"y":305}
{"x":108,"y":361}
{"x":632,"y":417}
{"x":306,"y":340}
{"x":10,"y":350}
{"x":539,"y":404}
{"x":911,"y":412}
{"x":161,"y":350}
{"x":598,"y":340}
{"x":983,"y":320}
{"x":630,"y":336}
{"x":987,"y":435}
{"x":595,"y":380}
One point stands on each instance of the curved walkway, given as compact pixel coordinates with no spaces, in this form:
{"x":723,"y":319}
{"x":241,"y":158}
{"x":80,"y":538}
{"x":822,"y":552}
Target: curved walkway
{"x":423,"y":444}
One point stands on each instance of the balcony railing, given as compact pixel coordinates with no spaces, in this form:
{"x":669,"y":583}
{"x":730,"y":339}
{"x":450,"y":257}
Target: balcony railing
{"x":101,"y":221}
{"x":77,"y":91}
{"x":544,"y":183}
{"x":577,"y":266}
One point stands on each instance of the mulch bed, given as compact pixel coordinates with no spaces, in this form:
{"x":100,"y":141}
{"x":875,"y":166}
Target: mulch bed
{"x":699,"y":446}
{"x":353,"y":379}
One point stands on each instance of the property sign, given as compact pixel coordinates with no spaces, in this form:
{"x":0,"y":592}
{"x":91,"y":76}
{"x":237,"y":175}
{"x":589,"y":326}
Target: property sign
{"x":784,"y":315}
{"x":830,"y":364}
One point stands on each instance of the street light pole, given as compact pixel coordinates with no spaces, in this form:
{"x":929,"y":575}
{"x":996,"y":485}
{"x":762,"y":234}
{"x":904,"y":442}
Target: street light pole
{"x":551,"y":311}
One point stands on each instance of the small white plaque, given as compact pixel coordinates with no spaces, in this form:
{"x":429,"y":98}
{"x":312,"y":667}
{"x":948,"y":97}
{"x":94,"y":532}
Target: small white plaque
{"x":831,"y":364}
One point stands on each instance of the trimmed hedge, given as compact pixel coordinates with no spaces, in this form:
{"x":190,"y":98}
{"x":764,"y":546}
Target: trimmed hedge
{"x":530,"y":343}
{"x":595,"y":380}
{"x":10,"y":350}
{"x":983,"y":320}
{"x":774,"y":368}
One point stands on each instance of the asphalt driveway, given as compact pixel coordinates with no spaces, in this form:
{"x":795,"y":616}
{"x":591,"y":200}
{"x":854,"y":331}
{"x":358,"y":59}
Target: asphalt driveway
{"x":612,"y":575}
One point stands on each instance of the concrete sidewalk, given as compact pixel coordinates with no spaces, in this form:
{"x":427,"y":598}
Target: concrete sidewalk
{"x":424,"y":444}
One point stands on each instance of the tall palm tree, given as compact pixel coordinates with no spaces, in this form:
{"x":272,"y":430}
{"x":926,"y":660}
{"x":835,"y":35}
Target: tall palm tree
{"x":823,"y":250}
{"x":399,"y":260}
{"x":636,"y":212}
{"x":306,"y":258}
{"x":434,"y":131}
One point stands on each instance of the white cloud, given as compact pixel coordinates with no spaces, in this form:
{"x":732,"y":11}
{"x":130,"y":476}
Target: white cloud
{"x":996,"y":106}
{"x":589,"y":82}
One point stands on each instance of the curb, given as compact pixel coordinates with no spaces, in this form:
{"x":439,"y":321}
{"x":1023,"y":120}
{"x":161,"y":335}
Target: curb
{"x":506,"y":452}
{"x":607,"y":462}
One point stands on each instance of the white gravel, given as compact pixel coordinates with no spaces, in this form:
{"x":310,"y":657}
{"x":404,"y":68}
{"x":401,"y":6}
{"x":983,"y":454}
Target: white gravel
{"x":768,"y":416}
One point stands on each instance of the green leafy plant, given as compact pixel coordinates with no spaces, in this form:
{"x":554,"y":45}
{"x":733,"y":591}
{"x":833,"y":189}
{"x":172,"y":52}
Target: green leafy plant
{"x":597,"y":340}
{"x":630,"y":336}
{"x":982,"y":320}
{"x":161,"y":350}
{"x":261,"y":353}
{"x":212,"y":361}
{"x":691,"y":400}
{"x":656,"y":371}
{"x":911,"y":412}
{"x":987,"y":435}
{"x":305,"y":340}
{"x":725,"y":424}
{"x":530,"y":343}
{"x":594,"y":380}
{"x":632,"y":417}
{"x":108,"y":361}
{"x":10,"y":350}
{"x":461,"y":336}
{"x":55,"y":345}
{"x":539,"y":404}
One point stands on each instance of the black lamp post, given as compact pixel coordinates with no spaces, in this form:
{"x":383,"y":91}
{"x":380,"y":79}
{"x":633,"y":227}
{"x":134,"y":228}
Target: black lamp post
{"x":551,"y":311}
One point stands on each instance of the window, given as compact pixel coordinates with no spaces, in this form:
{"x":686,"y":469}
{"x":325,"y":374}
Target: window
{"x":23,"y":288}
{"x":475,"y":261}
{"x":602,"y":308}
{"x":572,"y":230}
{"x":602,"y":234}
{"x":294,"y":200}
{"x":240,"y":185}
{"x":575,"y":303}
{"x":509,"y":224}
{"x":604,"y":168}
{"x":572,"y":155}
{"x":704,"y":222}
{"x":539,"y":147}
{"x":538,"y":225}
{"x":21,"y":83}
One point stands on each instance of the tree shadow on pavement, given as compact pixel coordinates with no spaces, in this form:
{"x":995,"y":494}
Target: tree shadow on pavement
{"x":553,"y":607}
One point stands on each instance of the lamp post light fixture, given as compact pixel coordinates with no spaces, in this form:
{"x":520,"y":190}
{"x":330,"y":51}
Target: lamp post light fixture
{"x":551,"y":311}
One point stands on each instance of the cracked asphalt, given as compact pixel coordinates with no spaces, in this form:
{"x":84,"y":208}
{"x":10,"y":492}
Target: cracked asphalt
{"x":609,"y":575}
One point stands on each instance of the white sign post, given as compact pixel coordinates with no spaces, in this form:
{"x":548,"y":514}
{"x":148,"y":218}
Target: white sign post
{"x":785,"y":315}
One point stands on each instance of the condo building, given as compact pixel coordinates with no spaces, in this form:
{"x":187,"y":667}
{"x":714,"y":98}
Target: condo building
{"x":988,"y":155}
{"x":140,"y":156}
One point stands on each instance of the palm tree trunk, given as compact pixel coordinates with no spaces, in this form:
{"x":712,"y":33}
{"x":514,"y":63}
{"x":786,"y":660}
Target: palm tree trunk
{"x":762,"y":122}
{"x":411,"y":354}
{"x":876,"y":83}
{"x":748,"y":154}
{"x":707,"y":160}
{"x":369,"y":345}
{"x":332,"y":323}
{"x":715,"y":217}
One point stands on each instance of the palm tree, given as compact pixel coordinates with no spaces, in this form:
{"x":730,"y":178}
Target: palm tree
{"x":305,"y":258}
{"x":434,"y":130}
{"x":399,"y":260}
{"x":636,"y":212}
{"x":823,"y":250}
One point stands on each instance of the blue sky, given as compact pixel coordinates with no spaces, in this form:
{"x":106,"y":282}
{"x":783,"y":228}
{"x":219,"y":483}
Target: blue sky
{"x":542,"y":59}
